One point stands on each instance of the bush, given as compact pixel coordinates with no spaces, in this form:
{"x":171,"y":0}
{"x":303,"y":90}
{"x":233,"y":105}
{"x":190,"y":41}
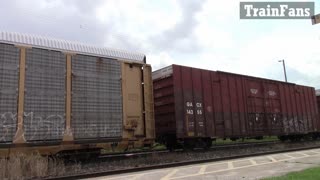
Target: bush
{"x":21,"y":166}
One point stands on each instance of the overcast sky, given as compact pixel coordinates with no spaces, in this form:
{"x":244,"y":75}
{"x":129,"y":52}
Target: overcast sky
{"x":201,"y":33}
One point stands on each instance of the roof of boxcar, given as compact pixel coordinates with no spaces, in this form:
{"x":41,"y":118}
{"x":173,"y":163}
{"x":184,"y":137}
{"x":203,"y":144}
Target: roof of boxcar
{"x":63,"y":45}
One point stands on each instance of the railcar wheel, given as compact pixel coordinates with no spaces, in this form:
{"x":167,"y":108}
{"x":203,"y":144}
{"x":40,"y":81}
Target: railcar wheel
{"x":171,"y":142}
{"x":234,"y":139}
{"x":315,"y":136}
{"x":259,"y":137}
{"x":189,"y":144}
{"x":295,"y":138}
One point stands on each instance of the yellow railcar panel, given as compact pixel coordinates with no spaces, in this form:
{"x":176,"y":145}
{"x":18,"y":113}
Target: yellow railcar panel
{"x":19,"y":137}
{"x":132,"y":100}
{"x":149,"y":102}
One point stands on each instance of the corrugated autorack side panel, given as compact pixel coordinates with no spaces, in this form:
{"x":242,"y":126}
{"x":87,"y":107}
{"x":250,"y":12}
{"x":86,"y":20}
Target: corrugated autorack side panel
{"x":192,"y":102}
{"x":44,"y":112}
{"x":96,"y":98}
{"x":9,"y":71}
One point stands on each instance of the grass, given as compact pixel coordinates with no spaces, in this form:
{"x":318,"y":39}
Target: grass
{"x":156,"y":147}
{"x":228,"y":141}
{"x":308,"y":174}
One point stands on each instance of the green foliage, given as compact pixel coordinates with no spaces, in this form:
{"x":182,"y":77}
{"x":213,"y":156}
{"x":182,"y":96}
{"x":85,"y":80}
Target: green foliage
{"x":246,"y":140}
{"x":309,"y":174}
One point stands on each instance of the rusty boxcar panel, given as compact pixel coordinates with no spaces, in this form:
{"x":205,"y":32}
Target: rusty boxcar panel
{"x":44,"y":104}
{"x":9,"y":71}
{"x":96,"y":98}
{"x":192,"y":102}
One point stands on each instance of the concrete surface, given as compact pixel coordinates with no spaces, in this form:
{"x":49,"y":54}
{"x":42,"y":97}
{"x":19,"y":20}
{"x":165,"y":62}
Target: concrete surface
{"x":245,"y":168}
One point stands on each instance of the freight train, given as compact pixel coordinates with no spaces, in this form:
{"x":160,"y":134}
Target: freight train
{"x":58,"y":96}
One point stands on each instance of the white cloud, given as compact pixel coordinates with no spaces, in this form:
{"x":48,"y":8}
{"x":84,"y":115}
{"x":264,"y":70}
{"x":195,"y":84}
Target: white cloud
{"x":138,"y":17}
{"x":299,"y":48}
{"x":212,"y":38}
{"x":160,"y":60}
{"x":253,"y":47}
{"x":206,"y":34}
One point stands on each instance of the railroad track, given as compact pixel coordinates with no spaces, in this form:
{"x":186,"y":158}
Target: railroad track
{"x":214,"y":147}
{"x":181,"y":163}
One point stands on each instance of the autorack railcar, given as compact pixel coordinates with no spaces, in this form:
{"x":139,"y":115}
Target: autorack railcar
{"x":61,"y":96}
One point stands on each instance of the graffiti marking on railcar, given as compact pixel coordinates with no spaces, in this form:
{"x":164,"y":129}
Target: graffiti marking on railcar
{"x":7,"y":124}
{"x":257,"y":117}
{"x":272,"y":93}
{"x":254,"y":91}
{"x":198,"y":105}
{"x":43,"y":127}
{"x":7,"y":115}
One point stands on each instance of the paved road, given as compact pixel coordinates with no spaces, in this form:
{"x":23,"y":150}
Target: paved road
{"x":245,"y":168}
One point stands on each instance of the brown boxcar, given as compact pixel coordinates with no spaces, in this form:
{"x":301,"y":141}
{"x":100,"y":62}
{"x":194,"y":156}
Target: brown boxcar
{"x":318,"y":98}
{"x":193,"y":103}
